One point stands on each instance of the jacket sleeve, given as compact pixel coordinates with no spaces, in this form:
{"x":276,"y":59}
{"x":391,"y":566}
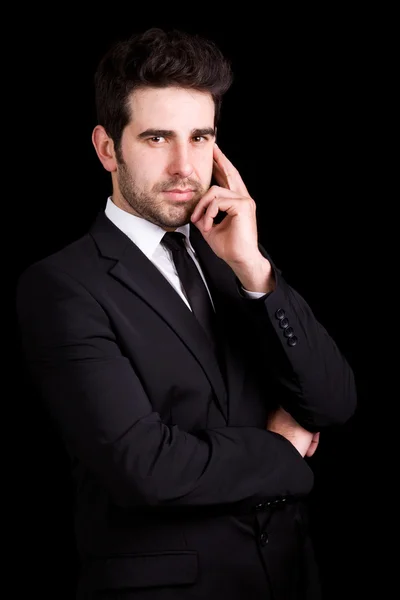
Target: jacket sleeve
{"x":314,"y":381}
{"x":102,"y":413}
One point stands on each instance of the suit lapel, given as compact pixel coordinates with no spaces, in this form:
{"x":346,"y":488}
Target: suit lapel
{"x":135,"y":271}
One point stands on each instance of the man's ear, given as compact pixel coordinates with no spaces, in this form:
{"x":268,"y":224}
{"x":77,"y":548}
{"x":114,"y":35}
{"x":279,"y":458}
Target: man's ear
{"x":104,"y":147}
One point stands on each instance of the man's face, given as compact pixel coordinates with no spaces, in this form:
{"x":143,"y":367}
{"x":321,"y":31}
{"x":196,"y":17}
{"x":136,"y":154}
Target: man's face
{"x":167,"y":155}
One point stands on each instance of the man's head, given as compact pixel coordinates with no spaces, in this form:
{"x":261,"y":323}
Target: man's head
{"x":158,"y":99}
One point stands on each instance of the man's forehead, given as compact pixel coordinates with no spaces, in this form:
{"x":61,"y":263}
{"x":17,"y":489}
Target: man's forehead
{"x":171,"y":101}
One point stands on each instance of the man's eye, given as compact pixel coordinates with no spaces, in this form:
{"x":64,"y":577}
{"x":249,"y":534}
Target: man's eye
{"x":199,"y":138}
{"x":157,"y":139}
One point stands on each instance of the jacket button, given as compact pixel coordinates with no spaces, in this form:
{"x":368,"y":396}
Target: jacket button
{"x":284,"y":323}
{"x":263,"y":539}
{"x":289,"y":332}
{"x":280,"y":313}
{"x":292,"y":341}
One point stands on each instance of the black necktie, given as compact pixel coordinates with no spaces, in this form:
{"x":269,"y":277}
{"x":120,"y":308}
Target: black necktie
{"x":192,"y":282}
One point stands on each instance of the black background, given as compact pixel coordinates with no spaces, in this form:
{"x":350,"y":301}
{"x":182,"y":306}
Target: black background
{"x":302,"y":123}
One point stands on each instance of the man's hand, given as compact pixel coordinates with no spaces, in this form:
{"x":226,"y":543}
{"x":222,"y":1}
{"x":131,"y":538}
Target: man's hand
{"x":313,"y":445}
{"x":305,"y":442}
{"x":235,"y":238}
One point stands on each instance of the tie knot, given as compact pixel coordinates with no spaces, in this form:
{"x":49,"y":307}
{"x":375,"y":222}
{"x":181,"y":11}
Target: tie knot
{"x":174,"y":240}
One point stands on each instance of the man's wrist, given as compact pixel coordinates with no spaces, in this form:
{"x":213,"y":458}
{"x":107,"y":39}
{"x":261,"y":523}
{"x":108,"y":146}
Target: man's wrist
{"x":256,"y":276}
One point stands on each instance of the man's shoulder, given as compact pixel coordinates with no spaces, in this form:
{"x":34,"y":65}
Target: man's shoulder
{"x":78,"y":257}
{"x":70,"y":258}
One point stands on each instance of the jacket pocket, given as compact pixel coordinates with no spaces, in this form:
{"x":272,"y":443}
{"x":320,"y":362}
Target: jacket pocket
{"x":152,"y":569}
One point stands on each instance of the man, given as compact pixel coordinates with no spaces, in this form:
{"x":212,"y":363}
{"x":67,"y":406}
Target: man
{"x":188,"y":380}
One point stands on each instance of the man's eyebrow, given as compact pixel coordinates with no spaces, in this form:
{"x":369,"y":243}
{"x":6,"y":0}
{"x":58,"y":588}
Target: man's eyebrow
{"x":169,"y":133}
{"x":205,"y":131}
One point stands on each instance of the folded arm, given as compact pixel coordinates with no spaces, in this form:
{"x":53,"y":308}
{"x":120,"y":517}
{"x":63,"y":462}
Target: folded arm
{"x":106,"y":420}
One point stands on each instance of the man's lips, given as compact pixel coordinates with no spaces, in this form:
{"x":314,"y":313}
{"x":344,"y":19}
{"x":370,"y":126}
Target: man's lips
{"x":178,"y":194}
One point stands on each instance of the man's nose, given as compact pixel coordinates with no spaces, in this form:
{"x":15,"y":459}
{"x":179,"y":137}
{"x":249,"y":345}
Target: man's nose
{"x":180,"y":162}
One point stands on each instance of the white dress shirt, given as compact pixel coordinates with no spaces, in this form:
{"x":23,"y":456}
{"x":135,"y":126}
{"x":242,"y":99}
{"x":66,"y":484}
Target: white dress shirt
{"x":148,"y":236}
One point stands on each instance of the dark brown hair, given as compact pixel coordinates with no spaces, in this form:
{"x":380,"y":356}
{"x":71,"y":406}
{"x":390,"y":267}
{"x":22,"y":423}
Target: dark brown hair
{"x":156,"y":58}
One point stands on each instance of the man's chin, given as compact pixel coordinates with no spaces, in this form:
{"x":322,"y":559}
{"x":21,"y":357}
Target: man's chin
{"x":172,"y":221}
{"x":181,"y":215}
{"x":174,"y":224}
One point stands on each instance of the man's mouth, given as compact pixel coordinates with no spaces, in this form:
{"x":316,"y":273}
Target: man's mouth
{"x":180,"y":194}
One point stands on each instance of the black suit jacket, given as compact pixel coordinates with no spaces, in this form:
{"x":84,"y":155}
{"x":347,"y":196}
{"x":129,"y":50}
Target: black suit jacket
{"x":180,"y":490}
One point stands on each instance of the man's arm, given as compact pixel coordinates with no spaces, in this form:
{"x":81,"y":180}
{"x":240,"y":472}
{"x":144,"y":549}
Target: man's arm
{"x":316,"y":384}
{"x":106,"y":420}
{"x":315,"y":381}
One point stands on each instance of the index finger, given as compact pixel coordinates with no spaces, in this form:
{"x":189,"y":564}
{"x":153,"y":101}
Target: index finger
{"x":232,"y":175}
